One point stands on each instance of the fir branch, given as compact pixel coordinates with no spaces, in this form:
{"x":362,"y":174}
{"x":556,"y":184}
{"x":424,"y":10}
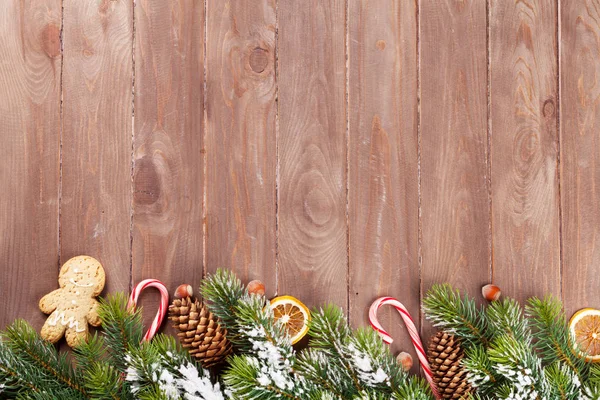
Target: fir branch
{"x":104,"y":382}
{"x":15,"y":375}
{"x":505,"y":317}
{"x":357,"y":364}
{"x":413,"y":389}
{"x":445,"y":308}
{"x":26,"y":344}
{"x":553,"y":339}
{"x":314,"y":365}
{"x":481,"y":374}
{"x":268,"y":344}
{"x":330,"y":333}
{"x":123,"y":328}
{"x":251,"y":312}
{"x":243,"y":378}
{"x":153,"y":393}
{"x":329,"y":328}
{"x":563,"y":382}
{"x":162,"y":368}
{"x":592,"y":384}
{"x":48,"y":394}
{"x":89,"y":352}
{"x":515,"y":360}
{"x":594,"y":375}
{"x":222,"y":291}
{"x":375,"y":365}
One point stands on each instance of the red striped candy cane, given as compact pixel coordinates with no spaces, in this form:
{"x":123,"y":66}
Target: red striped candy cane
{"x":412,"y":331}
{"x":162,"y":309}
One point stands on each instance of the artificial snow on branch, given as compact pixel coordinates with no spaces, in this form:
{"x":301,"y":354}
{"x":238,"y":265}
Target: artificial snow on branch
{"x":510,"y":352}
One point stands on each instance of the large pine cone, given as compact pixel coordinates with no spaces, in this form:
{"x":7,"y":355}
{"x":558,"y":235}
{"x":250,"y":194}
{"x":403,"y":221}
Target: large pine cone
{"x":444,"y":355}
{"x":199,"y":331}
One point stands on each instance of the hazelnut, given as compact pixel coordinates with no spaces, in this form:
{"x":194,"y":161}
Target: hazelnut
{"x":256,"y":287}
{"x":405,"y":360}
{"x":184,"y":290}
{"x":491,"y":292}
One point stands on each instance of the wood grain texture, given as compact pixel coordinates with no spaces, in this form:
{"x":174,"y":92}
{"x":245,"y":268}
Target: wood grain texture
{"x":524,"y":148}
{"x":30,"y":70}
{"x":96,"y":143}
{"x":454,"y":189}
{"x":241,"y":142}
{"x":347,"y":147}
{"x":580,"y":152}
{"x":312,"y":151}
{"x":168,"y":138}
{"x":383,"y":193}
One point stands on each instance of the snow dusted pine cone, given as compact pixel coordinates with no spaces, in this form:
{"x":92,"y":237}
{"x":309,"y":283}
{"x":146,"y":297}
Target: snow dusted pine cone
{"x":199,"y":331}
{"x":444,"y":355}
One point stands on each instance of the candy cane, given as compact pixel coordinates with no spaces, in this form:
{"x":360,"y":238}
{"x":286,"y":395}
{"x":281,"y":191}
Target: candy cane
{"x":412,"y":330}
{"x":162,"y":309}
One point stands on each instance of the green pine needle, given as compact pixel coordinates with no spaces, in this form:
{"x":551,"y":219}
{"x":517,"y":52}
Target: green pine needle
{"x":505,"y":317}
{"x":553,"y":339}
{"x":413,"y":389}
{"x":123,"y":328}
{"x":481,"y":371}
{"x":16,"y":375}
{"x":445,"y":308}
{"x":222,"y":291}
{"x":563,"y":382}
{"x":103,"y":381}
{"x":242,"y":376}
{"x":89,"y":352}
{"x":52,"y":370}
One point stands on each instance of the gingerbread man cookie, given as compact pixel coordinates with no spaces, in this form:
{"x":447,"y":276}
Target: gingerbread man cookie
{"x":73,"y":306}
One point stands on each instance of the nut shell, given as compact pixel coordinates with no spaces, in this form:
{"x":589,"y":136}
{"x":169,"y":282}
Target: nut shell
{"x":491,"y":292}
{"x":405,"y":360}
{"x":256,"y":287}
{"x":184,"y":291}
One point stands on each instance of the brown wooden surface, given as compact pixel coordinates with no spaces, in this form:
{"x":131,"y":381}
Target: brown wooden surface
{"x":524,"y":148}
{"x":30,"y":71}
{"x":313,"y":258}
{"x":455,"y":237}
{"x":241,"y":143}
{"x":95,"y":208}
{"x":168,"y":139}
{"x":580,"y":157}
{"x":342,"y":150}
{"x":383,"y":191}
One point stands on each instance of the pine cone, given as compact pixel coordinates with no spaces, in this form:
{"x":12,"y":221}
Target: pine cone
{"x":199,"y":331}
{"x":444,"y":356}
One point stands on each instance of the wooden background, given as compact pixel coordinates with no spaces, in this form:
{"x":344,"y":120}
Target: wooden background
{"x":336,"y":149}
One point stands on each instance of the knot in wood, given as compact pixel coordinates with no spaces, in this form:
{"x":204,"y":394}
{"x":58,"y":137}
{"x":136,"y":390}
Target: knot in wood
{"x":548,"y":108}
{"x":146,"y":182}
{"x":259,"y":59}
{"x":50,"y":39}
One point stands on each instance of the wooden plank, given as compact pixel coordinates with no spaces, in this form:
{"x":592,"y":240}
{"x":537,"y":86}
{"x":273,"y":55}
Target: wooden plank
{"x":524,"y":151}
{"x":30,"y":71}
{"x":96,"y":146}
{"x":312,"y":245}
{"x":241,"y":142}
{"x":454,"y":188}
{"x":383,"y":192}
{"x":168,"y":139}
{"x":579,"y":156}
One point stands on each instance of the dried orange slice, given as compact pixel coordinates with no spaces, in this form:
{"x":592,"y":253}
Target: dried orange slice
{"x":293,"y":315}
{"x":585,"y":329}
